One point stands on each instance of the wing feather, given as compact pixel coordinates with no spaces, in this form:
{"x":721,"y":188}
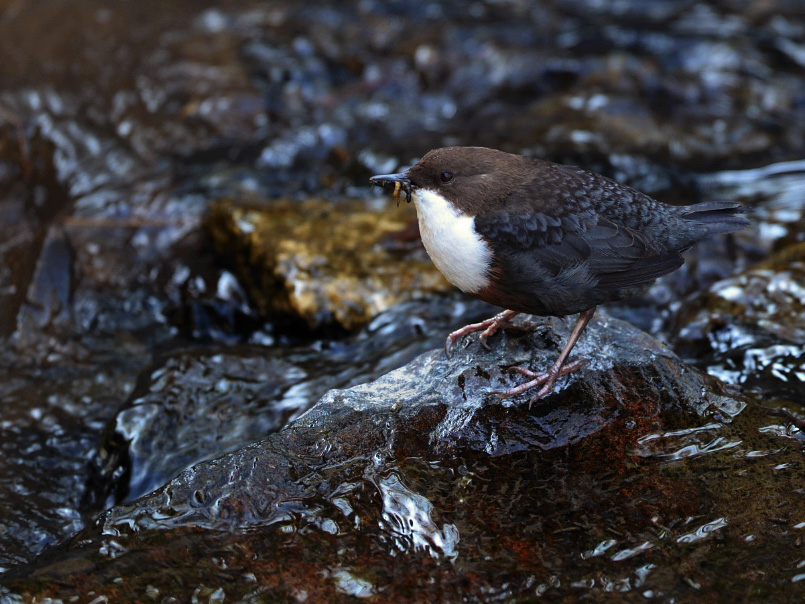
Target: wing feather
{"x":615,"y":256}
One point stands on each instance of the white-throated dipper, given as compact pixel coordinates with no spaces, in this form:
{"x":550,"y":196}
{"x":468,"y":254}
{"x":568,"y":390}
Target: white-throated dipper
{"x":542,"y":238}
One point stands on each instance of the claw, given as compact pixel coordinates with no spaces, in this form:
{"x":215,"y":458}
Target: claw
{"x":547,"y":379}
{"x":489,"y":327}
{"x":448,"y":344}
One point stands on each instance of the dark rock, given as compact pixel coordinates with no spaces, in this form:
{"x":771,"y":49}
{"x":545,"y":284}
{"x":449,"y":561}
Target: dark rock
{"x":121,"y":123}
{"x":48,"y":304}
{"x":750,"y":329}
{"x":19,"y":232}
{"x":52,"y":420}
{"x":404,"y":487}
{"x":196,"y":404}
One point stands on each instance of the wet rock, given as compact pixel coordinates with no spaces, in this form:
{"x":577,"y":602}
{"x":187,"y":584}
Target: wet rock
{"x":627,"y":362}
{"x":629,"y":475}
{"x":52,"y":420}
{"x":750,"y":329}
{"x":19,"y":229}
{"x":327,"y":262}
{"x":48,"y":304}
{"x":190,"y":407}
{"x":775,"y":191}
{"x":113,"y":140}
{"x":200,"y":403}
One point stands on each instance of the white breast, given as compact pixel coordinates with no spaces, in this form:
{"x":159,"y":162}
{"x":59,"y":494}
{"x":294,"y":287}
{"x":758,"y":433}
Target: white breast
{"x":452,"y":243}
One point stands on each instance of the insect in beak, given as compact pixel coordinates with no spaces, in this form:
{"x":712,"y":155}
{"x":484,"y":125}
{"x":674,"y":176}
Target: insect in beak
{"x":401,"y":183}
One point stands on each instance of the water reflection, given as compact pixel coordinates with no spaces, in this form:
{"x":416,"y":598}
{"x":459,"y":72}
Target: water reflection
{"x":680,"y":444}
{"x":703,"y":531}
{"x":627,"y":553}
{"x":599,"y":549}
{"x":409,"y":519}
{"x":347,"y":583}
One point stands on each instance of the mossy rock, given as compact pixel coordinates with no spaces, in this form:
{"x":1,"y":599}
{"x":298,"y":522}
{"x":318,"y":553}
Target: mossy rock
{"x":328,"y":262}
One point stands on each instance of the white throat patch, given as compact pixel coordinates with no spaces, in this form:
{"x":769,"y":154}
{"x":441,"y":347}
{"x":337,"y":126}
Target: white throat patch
{"x":452,"y":243}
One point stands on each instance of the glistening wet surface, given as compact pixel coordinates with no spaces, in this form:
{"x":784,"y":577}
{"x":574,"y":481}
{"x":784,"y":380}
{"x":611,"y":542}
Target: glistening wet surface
{"x":158,"y":351}
{"x":703,"y":512}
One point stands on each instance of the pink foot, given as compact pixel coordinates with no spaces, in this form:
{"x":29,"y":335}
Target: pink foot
{"x":548,"y":378}
{"x":489,"y":327}
{"x":545,"y":378}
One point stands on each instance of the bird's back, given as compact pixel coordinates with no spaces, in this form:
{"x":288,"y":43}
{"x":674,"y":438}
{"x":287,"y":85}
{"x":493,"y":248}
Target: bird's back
{"x":674,"y":227}
{"x":567,"y":239}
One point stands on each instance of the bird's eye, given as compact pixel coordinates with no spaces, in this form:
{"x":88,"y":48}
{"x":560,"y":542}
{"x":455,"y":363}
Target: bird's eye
{"x":446,"y":176}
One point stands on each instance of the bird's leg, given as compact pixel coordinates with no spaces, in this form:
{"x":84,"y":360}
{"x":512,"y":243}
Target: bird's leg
{"x":489,"y":327}
{"x":548,"y":378}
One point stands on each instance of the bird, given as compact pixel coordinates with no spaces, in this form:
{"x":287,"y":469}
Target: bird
{"x":532,"y":236}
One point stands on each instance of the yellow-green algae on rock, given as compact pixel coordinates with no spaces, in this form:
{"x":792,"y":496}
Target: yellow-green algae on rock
{"x":328,"y":262}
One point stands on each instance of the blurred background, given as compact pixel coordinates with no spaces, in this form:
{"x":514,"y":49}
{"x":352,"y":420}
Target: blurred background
{"x":190,"y":253}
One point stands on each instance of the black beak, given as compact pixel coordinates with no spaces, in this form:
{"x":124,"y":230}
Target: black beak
{"x":400,"y":181}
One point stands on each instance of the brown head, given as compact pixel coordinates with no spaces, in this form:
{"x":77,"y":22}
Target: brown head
{"x":468,"y":177}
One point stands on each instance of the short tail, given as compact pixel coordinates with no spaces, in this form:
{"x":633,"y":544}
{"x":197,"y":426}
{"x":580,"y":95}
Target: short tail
{"x":717,"y":217}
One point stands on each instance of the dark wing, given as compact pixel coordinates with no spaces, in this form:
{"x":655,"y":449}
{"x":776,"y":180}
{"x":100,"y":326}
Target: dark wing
{"x":621,"y":257}
{"x":573,"y":261}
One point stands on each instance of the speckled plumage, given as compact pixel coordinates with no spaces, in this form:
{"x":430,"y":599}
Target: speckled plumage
{"x":564,"y":239}
{"x":537,"y":237}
